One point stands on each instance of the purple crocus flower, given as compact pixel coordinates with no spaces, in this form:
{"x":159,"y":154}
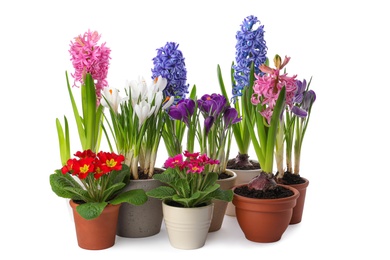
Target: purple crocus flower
{"x":308,"y":99}
{"x":250,"y":47}
{"x":230,"y":117}
{"x":183,"y":110}
{"x":208,"y":123}
{"x":303,"y":100}
{"x":169,"y":63}
{"x":212,"y":104}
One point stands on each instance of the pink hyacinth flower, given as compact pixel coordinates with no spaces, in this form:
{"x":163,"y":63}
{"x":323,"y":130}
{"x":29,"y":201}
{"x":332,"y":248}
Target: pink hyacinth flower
{"x":88,"y":57}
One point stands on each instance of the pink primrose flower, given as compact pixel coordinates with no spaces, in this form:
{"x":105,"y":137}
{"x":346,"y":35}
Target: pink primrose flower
{"x":172,"y":162}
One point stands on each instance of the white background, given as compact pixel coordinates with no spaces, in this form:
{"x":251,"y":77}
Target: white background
{"x":344,"y":45}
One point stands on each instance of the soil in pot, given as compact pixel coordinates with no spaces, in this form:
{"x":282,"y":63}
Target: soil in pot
{"x":290,"y":178}
{"x":278,"y":192}
{"x":242,"y":162}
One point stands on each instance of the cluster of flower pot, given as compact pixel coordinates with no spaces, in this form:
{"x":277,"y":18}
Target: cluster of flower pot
{"x":199,"y":182}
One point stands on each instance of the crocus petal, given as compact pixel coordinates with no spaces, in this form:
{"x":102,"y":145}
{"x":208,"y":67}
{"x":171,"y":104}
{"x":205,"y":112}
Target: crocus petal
{"x":299,"y":111}
{"x":208,"y":123}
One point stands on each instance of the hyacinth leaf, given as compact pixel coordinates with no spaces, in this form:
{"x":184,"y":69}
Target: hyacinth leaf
{"x":135,"y":197}
{"x":221,"y":83}
{"x":257,"y":145}
{"x":161,"y":192}
{"x":88,"y":95}
{"x":77,"y":117}
{"x":271,"y":134}
{"x":59,"y":182}
{"x":193,"y":93}
{"x":91,"y":210}
{"x":64,"y":140}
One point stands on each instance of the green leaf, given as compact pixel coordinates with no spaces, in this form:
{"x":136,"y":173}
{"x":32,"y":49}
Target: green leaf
{"x":168,"y":176}
{"x":91,"y":210}
{"x":225,"y":195}
{"x":61,"y":184}
{"x":271,"y":134}
{"x":63,"y":140}
{"x":112,"y":189}
{"x":136,"y":197}
{"x":79,"y":122}
{"x":121,"y":176}
{"x":161,"y":192}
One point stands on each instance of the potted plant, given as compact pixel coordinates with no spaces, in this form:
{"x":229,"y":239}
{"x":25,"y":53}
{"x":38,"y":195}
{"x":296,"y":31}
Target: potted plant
{"x":135,"y":123}
{"x":264,"y":207}
{"x":295,"y":120}
{"x":209,"y":122}
{"x":187,"y":198}
{"x":94,"y":184}
{"x":251,"y":51}
{"x":91,"y":62}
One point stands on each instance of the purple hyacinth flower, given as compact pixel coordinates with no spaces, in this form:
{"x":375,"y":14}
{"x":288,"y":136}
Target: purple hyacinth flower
{"x":230,"y":117}
{"x":208,"y":123}
{"x":212,"y":104}
{"x":250,"y":47}
{"x":169,"y":63}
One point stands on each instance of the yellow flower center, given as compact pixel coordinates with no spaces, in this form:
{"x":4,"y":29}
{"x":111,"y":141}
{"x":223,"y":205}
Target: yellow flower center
{"x":111,"y":163}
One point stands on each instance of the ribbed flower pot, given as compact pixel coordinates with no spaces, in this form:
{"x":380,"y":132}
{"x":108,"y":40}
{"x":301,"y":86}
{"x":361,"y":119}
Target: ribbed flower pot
{"x":187,"y":228}
{"x":219,"y":205}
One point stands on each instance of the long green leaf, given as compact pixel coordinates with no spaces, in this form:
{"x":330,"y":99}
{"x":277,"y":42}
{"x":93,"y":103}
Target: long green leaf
{"x":271,"y":134}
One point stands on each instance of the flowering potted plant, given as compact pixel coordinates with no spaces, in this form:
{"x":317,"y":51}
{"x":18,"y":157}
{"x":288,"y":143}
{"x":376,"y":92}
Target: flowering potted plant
{"x":188,"y":197}
{"x":295,"y":120}
{"x":136,"y":125}
{"x":251,"y":51}
{"x":169,"y":63}
{"x":209,"y":122}
{"x":272,"y":92}
{"x":94,"y":184}
{"x":91,"y":62}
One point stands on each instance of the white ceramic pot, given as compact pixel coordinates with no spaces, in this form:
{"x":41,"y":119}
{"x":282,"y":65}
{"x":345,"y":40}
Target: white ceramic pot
{"x":187,"y":228}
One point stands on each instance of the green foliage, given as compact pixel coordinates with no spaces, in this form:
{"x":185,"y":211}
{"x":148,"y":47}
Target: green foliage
{"x":66,"y":186}
{"x":190,"y":190}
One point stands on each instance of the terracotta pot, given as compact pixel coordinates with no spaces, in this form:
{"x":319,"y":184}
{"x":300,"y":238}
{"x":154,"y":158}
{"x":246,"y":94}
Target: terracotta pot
{"x":144,"y":220}
{"x":264,"y":220}
{"x":298,"y":209}
{"x":219,"y":205}
{"x":187,"y":228}
{"x":98,"y":233}
{"x":243,"y":177}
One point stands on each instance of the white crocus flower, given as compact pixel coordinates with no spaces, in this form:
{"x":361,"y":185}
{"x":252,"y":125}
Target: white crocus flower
{"x":168,"y":102}
{"x":143,"y":110}
{"x":111,"y":95}
{"x":138,"y":89}
{"x":160,"y":83}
